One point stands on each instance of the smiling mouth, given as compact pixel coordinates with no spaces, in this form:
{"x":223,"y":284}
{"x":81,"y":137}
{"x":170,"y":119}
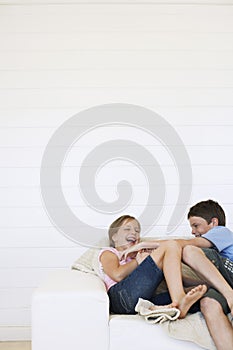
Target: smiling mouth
{"x":131,"y":240}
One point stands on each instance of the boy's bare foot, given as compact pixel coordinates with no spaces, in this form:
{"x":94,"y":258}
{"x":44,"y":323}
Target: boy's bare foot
{"x":190,"y":298}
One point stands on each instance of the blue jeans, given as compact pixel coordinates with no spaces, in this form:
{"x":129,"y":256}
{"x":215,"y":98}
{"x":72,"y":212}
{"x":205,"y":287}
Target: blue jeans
{"x":141,"y":283}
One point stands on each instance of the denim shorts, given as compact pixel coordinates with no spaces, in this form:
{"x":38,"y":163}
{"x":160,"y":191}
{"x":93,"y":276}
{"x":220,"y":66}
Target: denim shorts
{"x":224,"y":265}
{"x":141,"y":283}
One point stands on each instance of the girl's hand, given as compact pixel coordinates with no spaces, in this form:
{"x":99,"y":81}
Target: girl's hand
{"x":141,"y":256}
{"x":131,"y":251}
{"x":125,"y":255}
{"x":144,"y":245}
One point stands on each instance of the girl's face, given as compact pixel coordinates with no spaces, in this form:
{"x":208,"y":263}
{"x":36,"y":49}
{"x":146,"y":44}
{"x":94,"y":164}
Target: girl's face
{"x":127,"y":235}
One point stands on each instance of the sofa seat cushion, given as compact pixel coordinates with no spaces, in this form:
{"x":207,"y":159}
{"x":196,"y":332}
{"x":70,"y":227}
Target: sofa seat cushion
{"x":150,"y":336}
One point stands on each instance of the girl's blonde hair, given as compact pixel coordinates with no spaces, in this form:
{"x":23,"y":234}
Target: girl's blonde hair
{"x":114,"y":227}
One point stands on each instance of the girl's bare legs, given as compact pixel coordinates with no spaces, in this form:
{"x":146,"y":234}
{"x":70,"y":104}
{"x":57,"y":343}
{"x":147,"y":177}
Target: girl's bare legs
{"x":195,"y":258}
{"x":168,"y":258}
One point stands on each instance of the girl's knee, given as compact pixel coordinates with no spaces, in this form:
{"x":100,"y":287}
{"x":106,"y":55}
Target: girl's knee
{"x":171,"y":244}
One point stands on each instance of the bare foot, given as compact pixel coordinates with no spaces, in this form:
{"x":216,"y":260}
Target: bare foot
{"x":190,"y":298}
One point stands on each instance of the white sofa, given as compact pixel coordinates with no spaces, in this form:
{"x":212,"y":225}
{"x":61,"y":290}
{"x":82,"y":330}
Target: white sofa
{"x":70,"y":310}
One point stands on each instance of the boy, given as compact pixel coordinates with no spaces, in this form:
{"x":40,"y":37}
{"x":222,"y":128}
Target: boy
{"x":207,"y":220}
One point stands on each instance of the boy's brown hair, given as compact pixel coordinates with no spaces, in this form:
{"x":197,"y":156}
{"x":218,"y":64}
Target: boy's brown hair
{"x":208,"y":210}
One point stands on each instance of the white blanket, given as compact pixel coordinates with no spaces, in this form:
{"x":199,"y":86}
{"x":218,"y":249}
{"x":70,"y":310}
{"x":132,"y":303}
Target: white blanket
{"x":192,"y":328}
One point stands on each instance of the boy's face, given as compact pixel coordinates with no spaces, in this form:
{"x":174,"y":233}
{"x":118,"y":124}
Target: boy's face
{"x":200,"y":226}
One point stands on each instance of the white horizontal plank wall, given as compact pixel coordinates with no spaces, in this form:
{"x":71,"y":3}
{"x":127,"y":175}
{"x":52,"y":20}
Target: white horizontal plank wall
{"x":58,"y":59}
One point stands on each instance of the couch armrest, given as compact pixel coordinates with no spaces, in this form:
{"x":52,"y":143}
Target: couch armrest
{"x":70,"y":310}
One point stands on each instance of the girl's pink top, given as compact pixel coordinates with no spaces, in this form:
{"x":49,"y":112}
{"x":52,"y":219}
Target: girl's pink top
{"x":107,"y":280}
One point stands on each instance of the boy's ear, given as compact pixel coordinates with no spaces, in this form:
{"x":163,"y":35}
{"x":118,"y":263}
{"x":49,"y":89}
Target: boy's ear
{"x":214,"y":221}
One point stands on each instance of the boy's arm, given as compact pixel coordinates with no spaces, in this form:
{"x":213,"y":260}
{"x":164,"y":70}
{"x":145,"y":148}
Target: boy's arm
{"x":197,"y":241}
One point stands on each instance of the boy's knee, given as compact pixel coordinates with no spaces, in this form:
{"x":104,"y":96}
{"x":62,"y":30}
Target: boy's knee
{"x":210,"y":306}
{"x":216,"y":301}
{"x":188,"y":251}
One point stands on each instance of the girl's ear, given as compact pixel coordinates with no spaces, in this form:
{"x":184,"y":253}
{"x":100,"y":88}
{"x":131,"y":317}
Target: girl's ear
{"x":114,"y":237}
{"x":215,"y":221}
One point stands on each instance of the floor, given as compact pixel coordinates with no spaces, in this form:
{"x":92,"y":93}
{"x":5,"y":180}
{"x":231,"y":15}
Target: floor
{"x":15,"y":345}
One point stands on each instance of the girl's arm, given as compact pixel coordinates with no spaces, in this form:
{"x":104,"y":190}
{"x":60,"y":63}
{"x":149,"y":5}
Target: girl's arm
{"x":112,"y":268}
